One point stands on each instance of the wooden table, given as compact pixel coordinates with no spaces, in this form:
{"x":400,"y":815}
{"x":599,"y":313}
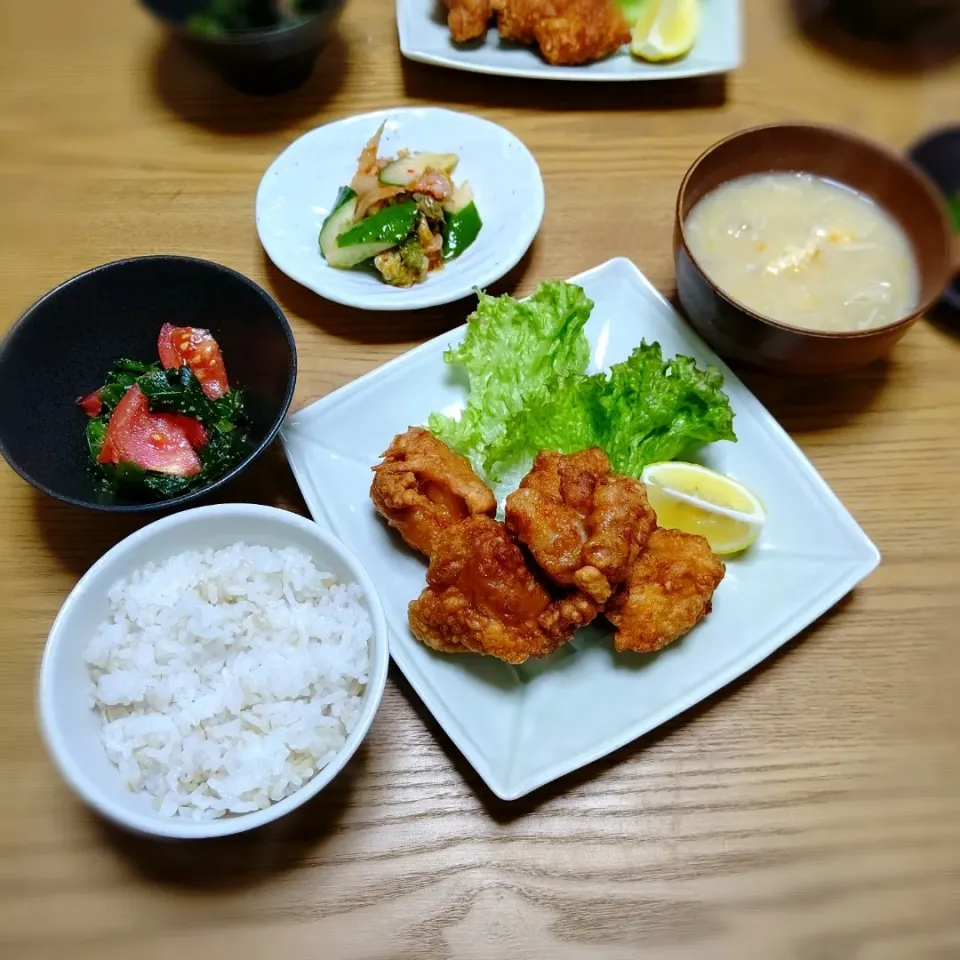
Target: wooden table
{"x":810,"y":811}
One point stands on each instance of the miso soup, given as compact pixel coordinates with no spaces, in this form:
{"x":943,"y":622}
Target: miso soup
{"x":805,"y":251}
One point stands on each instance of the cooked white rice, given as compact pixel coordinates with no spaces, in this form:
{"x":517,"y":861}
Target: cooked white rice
{"x":226,"y":679}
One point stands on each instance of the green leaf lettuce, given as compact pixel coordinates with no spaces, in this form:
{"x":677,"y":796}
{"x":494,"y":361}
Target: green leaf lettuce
{"x":525,"y":362}
{"x":515,"y":353}
{"x":645,"y":410}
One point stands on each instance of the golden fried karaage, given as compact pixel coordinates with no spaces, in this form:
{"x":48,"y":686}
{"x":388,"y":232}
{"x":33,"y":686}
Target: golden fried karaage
{"x":583,"y":524}
{"x":516,"y":19}
{"x":567,"y":31}
{"x":481,"y":597}
{"x":468,"y":19}
{"x":422,"y":488}
{"x":591,"y":546}
{"x":669,"y":590}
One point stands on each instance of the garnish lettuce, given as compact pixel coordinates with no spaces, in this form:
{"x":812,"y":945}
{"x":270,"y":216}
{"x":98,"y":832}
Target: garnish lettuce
{"x":528,"y":391}
{"x":645,"y":410}
{"x":516,"y":353}
{"x":632,"y":9}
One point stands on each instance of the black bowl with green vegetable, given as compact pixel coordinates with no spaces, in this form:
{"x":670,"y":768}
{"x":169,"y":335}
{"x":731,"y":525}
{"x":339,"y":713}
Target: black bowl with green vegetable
{"x":144,"y":383}
{"x":938,"y":155}
{"x":259,"y":47}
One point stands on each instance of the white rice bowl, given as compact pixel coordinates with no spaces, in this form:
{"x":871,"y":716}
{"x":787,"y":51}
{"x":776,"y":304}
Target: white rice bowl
{"x":226,"y":679}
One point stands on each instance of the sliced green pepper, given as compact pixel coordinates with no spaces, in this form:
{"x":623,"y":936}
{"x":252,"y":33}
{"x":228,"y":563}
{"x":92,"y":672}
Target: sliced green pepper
{"x":460,"y":230}
{"x":389,"y":225}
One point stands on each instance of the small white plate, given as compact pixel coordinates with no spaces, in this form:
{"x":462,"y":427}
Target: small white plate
{"x":299,"y":187}
{"x":424,"y":36}
{"x":523,"y":727}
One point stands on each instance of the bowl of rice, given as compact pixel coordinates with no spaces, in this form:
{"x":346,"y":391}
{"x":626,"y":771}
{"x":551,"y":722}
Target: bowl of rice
{"x":213,"y":671}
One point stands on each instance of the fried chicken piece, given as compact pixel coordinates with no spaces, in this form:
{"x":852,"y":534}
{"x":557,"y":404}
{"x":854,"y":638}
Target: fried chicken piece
{"x":568,"y":32}
{"x":516,"y":19}
{"x":583,"y":524}
{"x":583,"y":31}
{"x":422,"y":487}
{"x":468,"y":19}
{"x":669,"y":590}
{"x":482,"y":597}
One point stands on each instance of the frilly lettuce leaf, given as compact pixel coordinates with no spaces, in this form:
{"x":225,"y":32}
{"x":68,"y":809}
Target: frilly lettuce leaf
{"x":632,"y":9}
{"x":515,"y":353}
{"x":528,"y":391}
{"x":645,"y":410}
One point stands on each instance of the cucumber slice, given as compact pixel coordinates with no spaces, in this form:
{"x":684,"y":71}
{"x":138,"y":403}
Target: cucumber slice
{"x":390,"y":226}
{"x":400,"y":172}
{"x":462,"y":197}
{"x":460,"y":230}
{"x":340,"y":220}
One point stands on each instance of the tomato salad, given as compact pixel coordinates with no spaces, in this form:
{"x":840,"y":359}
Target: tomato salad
{"x":403,"y":215}
{"x":161,"y":429}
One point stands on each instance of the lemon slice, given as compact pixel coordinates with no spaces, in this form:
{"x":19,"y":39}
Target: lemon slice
{"x":694,"y":499}
{"x":666,"y":29}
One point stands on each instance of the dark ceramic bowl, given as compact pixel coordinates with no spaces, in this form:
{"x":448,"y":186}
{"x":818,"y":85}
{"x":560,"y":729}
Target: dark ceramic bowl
{"x":62,"y":347}
{"x":892,"y":20}
{"x":938,"y":155}
{"x":261,"y":61}
{"x":739,"y":333}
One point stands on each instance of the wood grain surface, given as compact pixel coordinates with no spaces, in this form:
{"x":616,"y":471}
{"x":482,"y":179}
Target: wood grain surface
{"x":810,"y":811}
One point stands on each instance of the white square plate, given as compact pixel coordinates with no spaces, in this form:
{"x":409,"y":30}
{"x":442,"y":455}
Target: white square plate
{"x":523,"y":727}
{"x":424,"y":36}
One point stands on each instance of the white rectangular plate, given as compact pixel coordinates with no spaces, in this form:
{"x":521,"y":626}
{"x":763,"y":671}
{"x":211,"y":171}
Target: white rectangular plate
{"x":523,"y":727}
{"x":424,"y":36}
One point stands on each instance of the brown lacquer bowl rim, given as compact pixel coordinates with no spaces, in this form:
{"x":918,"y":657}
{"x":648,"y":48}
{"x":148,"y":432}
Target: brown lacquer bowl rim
{"x":906,"y":168}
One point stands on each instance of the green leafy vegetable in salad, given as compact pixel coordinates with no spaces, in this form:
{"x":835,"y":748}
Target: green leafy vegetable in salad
{"x":526,"y":364}
{"x":225,"y":16}
{"x":179,"y":391}
{"x":158,"y":431}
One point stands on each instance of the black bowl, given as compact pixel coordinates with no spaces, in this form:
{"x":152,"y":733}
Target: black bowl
{"x":260,"y":61}
{"x":894,"y":20}
{"x":62,"y":347}
{"x":938,"y":155}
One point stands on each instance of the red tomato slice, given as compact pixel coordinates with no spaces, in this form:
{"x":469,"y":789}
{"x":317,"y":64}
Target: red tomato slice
{"x":195,"y":348}
{"x":131,"y":407}
{"x":91,"y":403}
{"x":151,"y":441}
{"x":194,"y":429}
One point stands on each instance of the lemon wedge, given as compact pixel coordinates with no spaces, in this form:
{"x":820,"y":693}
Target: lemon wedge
{"x":694,"y":499}
{"x":666,"y":29}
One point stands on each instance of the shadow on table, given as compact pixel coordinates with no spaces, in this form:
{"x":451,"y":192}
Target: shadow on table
{"x":804,"y":404}
{"x":945,"y":319}
{"x":78,"y":537}
{"x":193,"y":91}
{"x":246,"y":859}
{"x":930,"y":44}
{"x":422,"y":81}
{"x":507,"y":811}
{"x":381,"y":326}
